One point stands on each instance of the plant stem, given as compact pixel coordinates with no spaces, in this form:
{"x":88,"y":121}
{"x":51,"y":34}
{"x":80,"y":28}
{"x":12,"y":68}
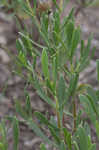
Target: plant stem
{"x":58,"y":119}
{"x":57,"y":114}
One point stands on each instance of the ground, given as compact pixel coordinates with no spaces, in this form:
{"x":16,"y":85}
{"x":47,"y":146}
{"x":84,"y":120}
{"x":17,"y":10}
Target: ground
{"x":12,"y":86}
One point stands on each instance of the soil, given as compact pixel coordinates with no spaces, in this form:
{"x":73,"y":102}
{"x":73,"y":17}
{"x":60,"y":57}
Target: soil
{"x":12,"y":86}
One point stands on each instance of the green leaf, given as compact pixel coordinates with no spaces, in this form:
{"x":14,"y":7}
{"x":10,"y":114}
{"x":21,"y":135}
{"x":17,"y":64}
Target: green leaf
{"x":66,"y":19}
{"x":87,"y":107}
{"x":56,"y":28}
{"x":75,"y":145}
{"x":30,"y":46}
{"x":34,"y":61}
{"x":44,"y":24}
{"x":56,"y":5}
{"x":82,"y":139}
{"x":86,"y":50}
{"x":93,"y":94}
{"x":38,"y":131}
{"x":87,"y":129}
{"x":89,"y":141}
{"x":44,"y":61}
{"x":20,"y":110}
{"x":44,"y":27}
{"x":69,"y":32}
{"x":42,"y":147}
{"x":2,"y":146}
{"x":97,"y":128}
{"x":57,"y":21}
{"x":55,"y":136}
{"x":20,"y":46}
{"x":93,"y":104}
{"x":93,"y":52}
{"x":73,"y":84}
{"x":61,"y":91}
{"x":60,"y":40}
{"x":93,"y":147}
{"x":82,"y":88}
{"x":44,"y":120}
{"x":54,"y":71}
{"x":83,"y":64}
{"x":75,"y":41}
{"x":28,"y":104}
{"x":82,"y":48}
{"x":3,"y":133}
{"x":28,"y":38}
{"x":62,"y":146}
{"x":67,"y":137}
{"x":97,"y":69}
{"x":15,"y":133}
{"x":42,"y":93}
{"x":61,"y":55}
{"x":41,"y":117}
{"x":50,"y":86}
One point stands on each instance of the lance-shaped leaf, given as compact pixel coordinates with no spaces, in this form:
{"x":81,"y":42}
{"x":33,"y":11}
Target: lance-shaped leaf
{"x":82,"y":138}
{"x":44,"y":61}
{"x":75,"y":41}
{"x":3,"y":133}
{"x":75,"y":145}
{"x":44,"y":27}
{"x":83,"y":64}
{"x":20,"y":45}
{"x":97,"y":70}
{"x":61,"y":91}
{"x":32,"y":125}
{"x":88,"y":108}
{"x":44,"y":120}
{"x":55,"y":136}
{"x":92,"y":92}
{"x":28,"y":38}
{"x":84,"y":59}
{"x":67,"y":137}
{"x":97,"y":128}
{"x":82,"y":48}
{"x":20,"y":111}
{"x":67,"y":19}
{"x":42,"y":93}
{"x":73,"y":84}
{"x":87,"y":49}
{"x":62,"y":145}
{"x":15,"y":133}
{"x":57,"y":21}
{"x":56,"y":27}
{"x":93,"y":104}
{"x":69,"y":32}
{"x":54,"y":70}
{"x":28,"y":105}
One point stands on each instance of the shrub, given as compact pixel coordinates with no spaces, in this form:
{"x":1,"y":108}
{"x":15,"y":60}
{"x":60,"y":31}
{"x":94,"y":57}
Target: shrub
{"x":56,"y":80}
